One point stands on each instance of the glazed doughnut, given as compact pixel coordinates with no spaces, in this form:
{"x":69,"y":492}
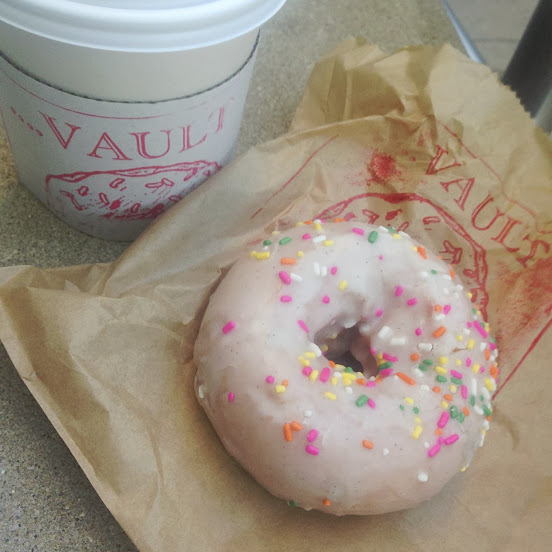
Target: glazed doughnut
{"x":346,"y":368}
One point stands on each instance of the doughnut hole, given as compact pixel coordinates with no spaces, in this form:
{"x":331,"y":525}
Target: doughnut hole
{"x":348,"y":348}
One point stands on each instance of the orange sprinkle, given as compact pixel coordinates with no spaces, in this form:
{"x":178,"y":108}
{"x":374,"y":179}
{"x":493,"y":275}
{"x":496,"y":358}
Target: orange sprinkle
{"x":494,"y":370}
{"x":440,"y":257}
{"x":422,"y":251}
{"x":331,"y":363}
{"x":448,"y":397}
{"x":367,"y":444}
{"x":288,"y":433}
{"x":439,"y":331}
{"x":360,"y":381}
{"x":438,"y":308}
{"x":406,"y":379}
{"x":296,"y":426}
{"x":438,"y":431}
{"x":326,"y":502}
{"x":339,"y":220}
{"x":285,"y":383}
{"x":452,"y":274}
{"x":287,"y":261}
{"x":436,"y":389}
{"x":414,"y":357}
{"x":378,"y":378}
{"x":487,"y":354}
{"x":466,"y":411}
{"x":488,"y":418}
{"x":308,"y":222}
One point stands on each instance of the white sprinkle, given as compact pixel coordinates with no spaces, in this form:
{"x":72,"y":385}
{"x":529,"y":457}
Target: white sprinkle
{"x":466,"y":331}
{"x":385,"y":332}
{"x":372,"y":378}
{"x":337,"y":375}
{"x":307,"y":413}
{"x":201,"y":391}
{"x":349,"y":390}
{"x":403,"y":234}
{"x":418,"y":373}
{"x":349,"y":324}
{"x":295,"y":277}
{"x":383,"y":229}
{"x":426,"y":444}
{"x":424,"y":274}
{"x":316,"y":267}
{"x":438,"y":317}
{"x":385,"y":452}
{"x":425,"y":347}
{"x":446,"y":291}
{"x":423,"y":477}
{"x":474,"y":386}
{"x":315,"y":349}
{"x":395,"y":378}
{"x":323,"y":271}
{"x":486,"y":424}
{"x":364,"y":329}
{"x":485,"y":393}
{"x":424,"y":387}
{"x":447,"y":276}
{"x":459,"y":287}
{"x":319,"y":221}
{"x":398,"y":341}
{"x":319,"y":239}
{"x":482,"y":346}
{"x":265,"y":247}
{"x":478,"y":409}
{"x":482,"y":439}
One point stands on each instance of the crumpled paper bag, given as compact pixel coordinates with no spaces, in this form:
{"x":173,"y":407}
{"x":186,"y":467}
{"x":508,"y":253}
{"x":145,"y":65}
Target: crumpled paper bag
{"x":422,"y":139}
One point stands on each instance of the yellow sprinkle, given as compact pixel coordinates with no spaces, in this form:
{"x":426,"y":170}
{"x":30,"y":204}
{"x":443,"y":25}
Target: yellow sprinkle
{"x":324,"y":347}
{"x":444,"y":404}
{"x":253,"y":254}
{"x":339,"y":367}
{"x":299,"y":224}
{"x":303,"y":361}
{"x":348,"y":378}
{"x":475,"y":368}
{"x":464,"y":469}
{"x":333,"y":381}
{"x":414,"y":248}
{"x":275,"y":232}
{"x":470,"y":344}
{"x":483,"y":432}
{"x":309,"y":354}
{"x":417,"y":431}
{"x":300,"y":253}
{"x":317,"y":226}
{"x":343,"y":284}
{"x":460,"y":337}
{"x":280,"y":389}
{"x":396,"y":236}
{"x":409,"y":400}
{"x":469,"y":294}
{"x":440,"y":370}
{"x":379,"y":356}
{"x":331,"y":396}
{"x":328,"y":242}
{"x":263,"y":255}
{"x":458,"y":362}
{"x":418,"y":420}
{"x":453,"y":388}
{"x":443,"y":360}
{"x":313,"y":375}
{"x":489,"y":384}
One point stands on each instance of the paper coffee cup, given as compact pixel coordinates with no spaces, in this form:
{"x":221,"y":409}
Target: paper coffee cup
{"x":117,"y":109}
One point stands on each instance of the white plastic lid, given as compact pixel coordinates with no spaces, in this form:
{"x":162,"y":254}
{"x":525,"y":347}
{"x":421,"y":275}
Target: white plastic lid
{"x":139,"y":25}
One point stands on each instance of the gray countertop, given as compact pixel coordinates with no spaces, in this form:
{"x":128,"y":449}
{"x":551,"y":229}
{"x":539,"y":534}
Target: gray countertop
{"x":46,"y":502}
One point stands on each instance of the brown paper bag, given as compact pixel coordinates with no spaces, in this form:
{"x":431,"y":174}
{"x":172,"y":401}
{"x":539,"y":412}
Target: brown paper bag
{"x":423,"y":139}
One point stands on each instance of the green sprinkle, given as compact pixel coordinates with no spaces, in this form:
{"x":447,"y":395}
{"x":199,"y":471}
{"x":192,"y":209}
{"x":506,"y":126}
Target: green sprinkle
{"x":472,"y":400}
{"x":428,"y":361}
{"x":349,"y":370}
{"x":453,"y":412}
{"x":461,"y":417}
{"x":422,"y":367}
{"x":441,"y":379}
{"x":401,"y":406}
{"x":487,"y":410}
{"x":267,"y":242}
{"x":283,"y":241}
{"x":433,"y":271}
{"x":391,"y":229}
{"x":474,"y":311}
{"x":385,"y":365}
{"x":416,"y":410}
{"x":481,"y":398}
{"x":457,"y":381}
{"x":373,"y":236}
{"x":362,"y":400}
{"x":293,"y":503}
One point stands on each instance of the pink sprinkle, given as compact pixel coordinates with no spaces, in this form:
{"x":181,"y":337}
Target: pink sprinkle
{"x":452,"y":439}
{"x":370,"y":383}
{"x":333,"y":270}
{"x":311,"y":436}
{"x":464,"y":391}
{"x":418,"y":331}
{"x":441,"y":440}
{"x":230,"y":397}
{"x":229,"y":327}
{"x":285,"y":277}
{"x":398,"y":291}
{"x":325,"y":374}
{"x":412,"y":301}
{"x":468,"y":362}
{"x":371,"y":403}
{"x":456,"y":374}
{"x":307,"y":370}
{"x":443,"y":420}
{"x":434,"y":450}
{"x":379,"y":312}
{"x":358,"y":231}
{"x":386,"y":372}
{"x":269,"y":379}
{"x":390,"y":358}
{"x":480,"y":329}
{"x":481,"y":369}
{"x":492,"y":346}
{"x":469,"y":324}
{"x":306,"y":236}
{"x":325,"y":299}
{"x":373,"y":351}
{"x":380,"y":257}
{"x":446,"y":309}
{"x":312,"y":450}
{"x":303,"y":326}
{"x":285,"y":298}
